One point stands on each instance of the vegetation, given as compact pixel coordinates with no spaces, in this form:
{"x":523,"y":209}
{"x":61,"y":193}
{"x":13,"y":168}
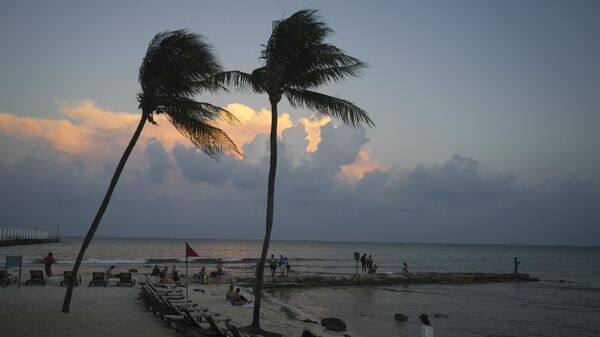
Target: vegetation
{"x":296,"y":60}
{"x":178,"y":65}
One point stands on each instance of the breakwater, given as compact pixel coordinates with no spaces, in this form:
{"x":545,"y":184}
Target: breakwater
{"x":330,"y":280}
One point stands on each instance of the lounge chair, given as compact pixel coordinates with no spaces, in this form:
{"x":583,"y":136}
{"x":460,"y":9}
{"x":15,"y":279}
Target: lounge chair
{"x":37,"y":276}
{"x":126,"y":279}
{"x":98,"y":279}
{"x":5,"y":276}
{"x":234,"y":330}
{"x":217,"y":323}
{"x":67,"y":277}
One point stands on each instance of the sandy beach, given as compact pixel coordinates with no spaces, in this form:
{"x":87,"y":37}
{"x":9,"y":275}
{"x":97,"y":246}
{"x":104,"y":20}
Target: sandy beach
{"x":115,"y":311}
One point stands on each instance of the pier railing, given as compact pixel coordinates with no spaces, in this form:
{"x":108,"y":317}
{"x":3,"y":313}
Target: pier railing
{"x":22,"y":234}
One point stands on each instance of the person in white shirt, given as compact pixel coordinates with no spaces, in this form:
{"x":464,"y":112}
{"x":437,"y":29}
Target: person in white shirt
{"x":426,"y":328}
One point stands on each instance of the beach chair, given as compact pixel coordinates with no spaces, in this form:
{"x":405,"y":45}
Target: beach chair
{"x":126,"y":279}
{"x":4,"y":276}
{"x":217,"y":323}
{"x":234,"y":330}
{"x":37,"y":276}
{"x":98,"y":279}
{"x":67,"y":278}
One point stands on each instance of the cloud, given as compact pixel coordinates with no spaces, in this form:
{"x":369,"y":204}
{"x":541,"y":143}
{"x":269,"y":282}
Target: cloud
{"x":336,"y":192}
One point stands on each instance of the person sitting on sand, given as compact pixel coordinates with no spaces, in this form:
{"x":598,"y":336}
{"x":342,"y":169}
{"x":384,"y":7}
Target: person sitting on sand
{"x":426,"y":328}
{"x":241,"y":297}
{"x":175,"y":275}
{"x":164,"y":279}
{"x":230,"y":294}
{"x":155,"y":271}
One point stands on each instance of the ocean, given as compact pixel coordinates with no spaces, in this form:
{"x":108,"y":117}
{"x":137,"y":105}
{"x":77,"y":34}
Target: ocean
{"x":566,"y":301}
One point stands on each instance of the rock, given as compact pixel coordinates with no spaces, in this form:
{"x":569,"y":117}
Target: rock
{"x":308,"y":333}
{"x":309,"y":321}
{"x":333,"y":324}
{"x":401,"y":317}
{"x":438,"y":315}
{"x":346,"y":335}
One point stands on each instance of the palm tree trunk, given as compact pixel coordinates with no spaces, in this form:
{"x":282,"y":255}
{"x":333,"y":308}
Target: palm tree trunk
{"x":101,"y":210}
{"x":270,"y":207}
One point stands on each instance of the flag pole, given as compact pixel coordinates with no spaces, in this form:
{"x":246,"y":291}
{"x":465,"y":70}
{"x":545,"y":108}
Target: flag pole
{"x":186,"y":277}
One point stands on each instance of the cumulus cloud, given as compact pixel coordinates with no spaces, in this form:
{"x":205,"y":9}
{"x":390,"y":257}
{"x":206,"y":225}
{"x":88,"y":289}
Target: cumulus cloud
{"x":334,"y":192}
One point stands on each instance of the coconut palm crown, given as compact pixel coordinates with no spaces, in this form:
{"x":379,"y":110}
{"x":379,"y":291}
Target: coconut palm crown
{"x":296,"y":60}
{"x":177,"y":66}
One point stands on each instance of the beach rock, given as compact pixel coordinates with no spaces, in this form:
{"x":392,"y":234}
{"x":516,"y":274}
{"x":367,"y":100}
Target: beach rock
{"x":309,"y":321}
{"x":333,"y":324}
{"x":401,"y":317}
{"x":308,"y":333}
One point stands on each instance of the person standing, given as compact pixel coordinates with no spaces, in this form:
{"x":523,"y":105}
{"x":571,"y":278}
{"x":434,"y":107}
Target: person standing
{"x":48,"y":261}
{"x":370,"y":264}
{"x":405,"y":268}
{"x":219,"y":271}
{"x":426,"y":328}
{"x":516,"y":262}
{"x":287,"y":267}
{"x":363,"y":262}
{"x":273,"y":266}
{"x":282,"y":265}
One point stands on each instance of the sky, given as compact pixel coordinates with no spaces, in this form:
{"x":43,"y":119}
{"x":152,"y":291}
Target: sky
{"x":486,"y":114}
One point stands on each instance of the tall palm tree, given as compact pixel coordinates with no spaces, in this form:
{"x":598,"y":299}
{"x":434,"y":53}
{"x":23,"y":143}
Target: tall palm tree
{"x":296,"y":60}
{"x":177,"y":66}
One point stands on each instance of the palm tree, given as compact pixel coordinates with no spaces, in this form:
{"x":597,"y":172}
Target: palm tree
{"x":177,"y":66}
{"x":296,"y":60}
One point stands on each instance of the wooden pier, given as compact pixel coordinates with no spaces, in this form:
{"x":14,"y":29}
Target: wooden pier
{"x":18,"y":242}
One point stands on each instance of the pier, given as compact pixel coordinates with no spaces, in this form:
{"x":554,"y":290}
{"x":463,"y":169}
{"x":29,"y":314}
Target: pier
{"x":23,"y":236}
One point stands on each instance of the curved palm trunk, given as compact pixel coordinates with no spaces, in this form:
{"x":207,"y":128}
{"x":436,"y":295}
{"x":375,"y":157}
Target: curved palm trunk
{"x":270,"y":207}
{"x":101,"y":210}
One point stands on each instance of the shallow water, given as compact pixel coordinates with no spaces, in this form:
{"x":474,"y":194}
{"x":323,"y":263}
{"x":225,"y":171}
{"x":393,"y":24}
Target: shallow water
{"x":546,"y":308}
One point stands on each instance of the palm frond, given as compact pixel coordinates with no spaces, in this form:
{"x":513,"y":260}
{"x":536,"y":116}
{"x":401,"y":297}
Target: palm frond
{"x":177,"y":63}
{"x":207,"y":137}
{"x":198,"y":110}
{"x":290,"y":36}
{"x":349,"y":113}
{"x":322,"y":64}
{"x":238,"y":80}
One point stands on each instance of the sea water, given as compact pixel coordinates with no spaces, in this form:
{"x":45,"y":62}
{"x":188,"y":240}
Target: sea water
{"x":566,"y":301}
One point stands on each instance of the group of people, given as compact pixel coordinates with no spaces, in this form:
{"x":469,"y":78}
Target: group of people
{"x":164,"y":275}
{"x":282,"y":263}
{"x":234,"y":297}
{"x":368,"y":264}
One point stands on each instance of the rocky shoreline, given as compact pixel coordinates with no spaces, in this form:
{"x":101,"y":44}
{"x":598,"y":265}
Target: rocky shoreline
{"x":330,"y":280}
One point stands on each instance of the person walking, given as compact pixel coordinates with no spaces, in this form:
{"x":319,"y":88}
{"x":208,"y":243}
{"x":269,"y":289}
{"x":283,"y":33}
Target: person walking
{"x":363,"y":262}
{"x":516,"y":262}
{"x":273,"y":267}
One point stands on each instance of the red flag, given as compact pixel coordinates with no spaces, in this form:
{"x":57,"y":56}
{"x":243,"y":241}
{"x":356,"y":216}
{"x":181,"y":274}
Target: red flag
{"x":189,"y":251}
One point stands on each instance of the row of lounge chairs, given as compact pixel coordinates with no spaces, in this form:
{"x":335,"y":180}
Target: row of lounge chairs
{"x":98,"y":279}
{"x":186,"y":317}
